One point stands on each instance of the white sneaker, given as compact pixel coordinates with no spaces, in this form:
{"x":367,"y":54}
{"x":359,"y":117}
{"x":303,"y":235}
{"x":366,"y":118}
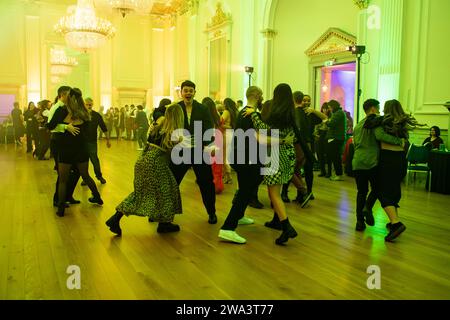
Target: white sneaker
{"x":232,"y":236}
{"x":246,"y":220}
{"x":140,"y":149}
{"x":337,"y":178}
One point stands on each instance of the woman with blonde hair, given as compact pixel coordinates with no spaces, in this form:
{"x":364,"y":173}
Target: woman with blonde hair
{"x":156,"y":194}
{"x":72,"y":149}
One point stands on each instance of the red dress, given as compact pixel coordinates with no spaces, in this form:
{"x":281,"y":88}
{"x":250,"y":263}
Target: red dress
{"x":216,"y":164}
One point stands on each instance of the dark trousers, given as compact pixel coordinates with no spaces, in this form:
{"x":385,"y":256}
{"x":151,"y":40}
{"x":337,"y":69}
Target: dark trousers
{"x":334,"y":153}
{"x":44,"y":143}
{"x":392,"y":169}
{"x":308,"y":167}
{"x":249,"y":178}
{"x":363,"y":177}
{"x":142,"y":136}
{"x":74,"y":175}
{"x":205,"y":181}
{"x":93,"y":156}
{"x":321,"y":149}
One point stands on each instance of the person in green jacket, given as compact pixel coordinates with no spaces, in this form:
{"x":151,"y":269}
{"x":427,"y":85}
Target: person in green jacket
{"x":365,"y":162}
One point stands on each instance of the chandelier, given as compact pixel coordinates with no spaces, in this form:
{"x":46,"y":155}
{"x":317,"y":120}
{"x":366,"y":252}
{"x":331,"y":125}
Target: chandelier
{"x":82,"y":29}
{"x":131,"y":6}
{"x":60,"y":64}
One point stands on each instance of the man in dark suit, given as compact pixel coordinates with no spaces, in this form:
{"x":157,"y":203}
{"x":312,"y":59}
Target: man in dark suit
{"x":196,"y":114}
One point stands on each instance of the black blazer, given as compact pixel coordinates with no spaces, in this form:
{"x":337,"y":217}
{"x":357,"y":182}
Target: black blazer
{"x":199,"y":113}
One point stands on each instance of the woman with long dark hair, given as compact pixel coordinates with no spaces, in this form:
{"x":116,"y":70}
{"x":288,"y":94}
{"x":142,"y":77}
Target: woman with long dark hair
{"x":392,"y":165}
{"x":72,"y":149}
{"x":156,"y":193}
{"x":281,"y":117}
{"x":434,"y":139}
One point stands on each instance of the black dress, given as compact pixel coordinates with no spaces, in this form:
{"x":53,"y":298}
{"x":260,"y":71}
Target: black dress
{"x":71,"y":149}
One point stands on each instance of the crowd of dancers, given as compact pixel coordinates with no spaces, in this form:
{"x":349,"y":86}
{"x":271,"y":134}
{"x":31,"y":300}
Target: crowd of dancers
{"x":286,"y":125}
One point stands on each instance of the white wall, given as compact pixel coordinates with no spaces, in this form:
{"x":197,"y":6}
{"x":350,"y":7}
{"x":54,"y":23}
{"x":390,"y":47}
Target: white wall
{"x":298,"y":25}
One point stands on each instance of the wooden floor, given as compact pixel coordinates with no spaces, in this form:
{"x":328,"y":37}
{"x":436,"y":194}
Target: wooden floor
{"x":328,"y":260}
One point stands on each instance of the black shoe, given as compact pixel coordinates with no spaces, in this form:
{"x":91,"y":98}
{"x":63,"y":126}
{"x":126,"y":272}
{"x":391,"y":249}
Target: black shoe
{"x":289,"y":232}
{"x":114,"y":224}
{"x":150,"y":220}
{"x":368,"y":215}
{"x":312,"y":197}
{"x":73,"y":201}
{"x":212,"y":219}
{"x":274,"y":223}
{"x":255,"y":203}
{"x":395,"y":231}
{"x":96,"y":199}
{"x":388,"y":225}
{"x":167,"y":227}
{"x":360,"y":225}
{"x":56,"y":205}
{"x":83,"y":183}
{"x":60,"y":212}
{"x":102,"y":180}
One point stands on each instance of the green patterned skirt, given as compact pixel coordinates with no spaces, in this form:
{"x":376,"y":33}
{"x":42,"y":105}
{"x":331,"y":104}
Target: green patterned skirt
{"x":156,"y":194}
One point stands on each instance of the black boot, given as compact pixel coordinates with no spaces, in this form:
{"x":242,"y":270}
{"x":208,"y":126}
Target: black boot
{"x":299,"y":198}
{"x":166,"y":227}
{"x":61,"y":208}
{"x":288,"y":232}
{"x":114,"y":223}
{"x":96,"y":199}
{"x":284,"y":193}
{"x":275,"y":223}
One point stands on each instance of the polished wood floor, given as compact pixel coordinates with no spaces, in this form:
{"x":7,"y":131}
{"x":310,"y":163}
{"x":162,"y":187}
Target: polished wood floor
{"x":328,"y":260}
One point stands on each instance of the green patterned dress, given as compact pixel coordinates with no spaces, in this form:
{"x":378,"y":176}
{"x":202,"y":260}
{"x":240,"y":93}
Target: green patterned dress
{"x":282,"y":160}
{"x":156,"y":193}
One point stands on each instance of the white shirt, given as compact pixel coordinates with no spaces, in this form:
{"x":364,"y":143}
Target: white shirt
{"x":61,"y":127}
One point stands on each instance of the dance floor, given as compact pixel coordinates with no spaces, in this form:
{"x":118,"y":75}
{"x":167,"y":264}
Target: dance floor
{"x":328,"y":260}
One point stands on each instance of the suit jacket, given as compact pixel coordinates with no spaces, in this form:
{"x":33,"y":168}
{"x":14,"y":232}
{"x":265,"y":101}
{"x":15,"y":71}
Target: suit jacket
{"x":199,"y":113}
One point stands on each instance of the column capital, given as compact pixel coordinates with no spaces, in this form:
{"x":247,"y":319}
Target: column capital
{"x":269,"y":33}
{"x":361,"y":4}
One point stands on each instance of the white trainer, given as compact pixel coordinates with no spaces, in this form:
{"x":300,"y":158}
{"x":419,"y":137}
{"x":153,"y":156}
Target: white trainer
{"x":246,"y":220}
{"x":232,"y":236}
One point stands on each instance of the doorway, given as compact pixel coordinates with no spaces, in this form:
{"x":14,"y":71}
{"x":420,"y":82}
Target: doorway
{"x":336,"y":82}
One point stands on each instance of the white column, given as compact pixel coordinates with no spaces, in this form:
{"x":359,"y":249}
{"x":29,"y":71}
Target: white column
{"x":267,"y":85}
{"x":33,"y":59}
{"x":390,"y":50}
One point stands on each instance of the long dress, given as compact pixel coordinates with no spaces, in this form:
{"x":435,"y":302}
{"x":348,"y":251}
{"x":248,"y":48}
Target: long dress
{"x":282,"y":161}
{"x":156,"y":194}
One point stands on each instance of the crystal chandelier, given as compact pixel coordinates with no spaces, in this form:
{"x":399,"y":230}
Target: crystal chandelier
{"x":82,"y":29}
{"x":60,"y":63}
{"x":131,"y":6}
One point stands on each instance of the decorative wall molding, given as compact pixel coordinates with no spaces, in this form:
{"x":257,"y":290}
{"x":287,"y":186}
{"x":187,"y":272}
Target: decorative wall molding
{"x":333,"y":41}
{"x":269,"y":33}
{"x":219,"y":20}
{"x":362,"y":4}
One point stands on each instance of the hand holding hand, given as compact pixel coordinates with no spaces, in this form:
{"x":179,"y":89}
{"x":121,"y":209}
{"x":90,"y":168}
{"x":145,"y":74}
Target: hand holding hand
{"x":248,"y":111}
